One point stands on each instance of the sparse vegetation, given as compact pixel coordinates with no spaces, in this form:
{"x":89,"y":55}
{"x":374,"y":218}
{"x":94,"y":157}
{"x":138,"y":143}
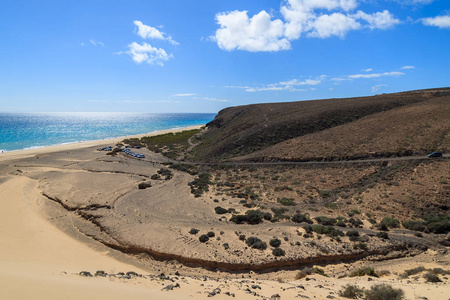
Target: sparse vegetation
{"x":278,"y":252}
{"x":220,"y":210}
{"x":169,"y":144}
{"x":325,"y":220}
{"x":351,"y":291}
{"x":389,"y":223}
{"x":300,"y":218}
{"x":364,"y":271}
{"x":203,"y":238}
{"x":256,"y":243}
{"x":353,"y":233}
{"x":286,"y":201}
{"x":279,"y":213}
{"x":384,"y":292}
{"x":184,"y":168}
{"x":361,"y":246}
{"x":194,"y":231}
{"x":144,"y":185}
{"x":430,"y":277}
{"x":383,"y":235}
{"x":251,"y":217}
{"x":200,"y":184}
{"x":275,"y":243}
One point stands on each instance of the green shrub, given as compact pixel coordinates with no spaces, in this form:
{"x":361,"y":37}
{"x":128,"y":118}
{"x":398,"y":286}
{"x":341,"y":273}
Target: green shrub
{"x":299,"y":218}
{"x":242,"y":237}
{"x":414,"y":271}
{"x":364,"y":271}
{"x":384,"y":292}
{"x":325,"y":220}
{"x":220,"y":210}
{"x":144,"y":185}
{"x":251,"y":217}
{"x":308,"y":229}
{"x":317,"y":270}
{"x":353,"y":212}
{"x":194,"y":231}
{"x":184,"y":168}
{"x":267,"y":216}
{"x":328,"y":230}
{"x":254,"y":216}
{"x":390,"y":222}
{"x":279,"y":213}
{"x":238,"y":219}
{"x":278,"y":252}
{"x":203,"y":238}
{"x":362,"y":246}
{"x":341,"y":223}
{"x":414,"y":225}
{"x":383,"y":227}
{"x":430,"y":277}
{"x":256,"y":243}
{"x":200,"y":184}
{"x":351,"y":291}
{"x":352,"y":233}
{"x":324,"y":193}
{"x":286,"y":201}
{"x":330,"y":205}
{"x":211,"y":234}
{"x":383,"y":235}
{"x":275,"y":243}
{"x":439,"y":224}
{"x":355,"y":222}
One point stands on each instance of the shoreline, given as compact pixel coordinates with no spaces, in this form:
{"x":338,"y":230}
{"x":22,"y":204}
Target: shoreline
{"x":23,"y":153}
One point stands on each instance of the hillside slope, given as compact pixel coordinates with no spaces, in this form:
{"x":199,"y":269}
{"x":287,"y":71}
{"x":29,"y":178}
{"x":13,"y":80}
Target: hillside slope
{"x":239,"y":131}
{"x":415,"y":129}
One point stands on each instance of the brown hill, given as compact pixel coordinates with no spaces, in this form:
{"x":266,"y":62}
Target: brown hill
{"x":239,"y":131}
{"x":414,"y":129}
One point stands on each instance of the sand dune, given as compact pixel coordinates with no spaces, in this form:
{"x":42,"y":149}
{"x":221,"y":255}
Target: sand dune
{"x":37,"y":261}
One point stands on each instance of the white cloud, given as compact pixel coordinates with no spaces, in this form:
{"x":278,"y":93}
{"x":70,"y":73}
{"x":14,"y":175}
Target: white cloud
{"x":215,"y":99}
{"x":147,"y":53}
{"x":413,"y":2}
{"x":366,"y":76}
{"x":238,"y":31}
{"x":375,"y":75}
{"x":149,"y":32}
{"x":284,"y":85}
{"x":408,"y":67}
{"x":367,"y":70}
{"x":377,"y":87}
{"x":336,"y":24}
{"x":378,"y":20}
{"x":183,"y":95}
{"x":148,"y":101}
{"x":95,"y":43}
{"x":259,"y":33}
{"x":439,"y":21}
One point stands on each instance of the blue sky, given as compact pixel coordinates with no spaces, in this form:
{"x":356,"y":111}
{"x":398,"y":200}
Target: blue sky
{"x":204,"y":55}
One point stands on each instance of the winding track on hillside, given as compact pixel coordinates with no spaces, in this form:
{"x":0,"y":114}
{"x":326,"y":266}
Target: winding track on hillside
{"x":308,"y":162}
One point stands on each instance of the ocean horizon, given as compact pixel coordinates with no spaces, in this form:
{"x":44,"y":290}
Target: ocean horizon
{"x":20,"y":131}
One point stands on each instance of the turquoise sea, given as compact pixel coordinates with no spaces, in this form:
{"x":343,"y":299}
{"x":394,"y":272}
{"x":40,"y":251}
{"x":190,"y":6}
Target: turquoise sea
{"x":33,"y":130}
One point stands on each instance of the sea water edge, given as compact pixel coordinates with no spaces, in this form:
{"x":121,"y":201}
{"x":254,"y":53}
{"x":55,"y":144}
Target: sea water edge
{"x":20,"y":131}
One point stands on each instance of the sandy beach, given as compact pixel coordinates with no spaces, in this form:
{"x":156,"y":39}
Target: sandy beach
{"x":43,"y":248}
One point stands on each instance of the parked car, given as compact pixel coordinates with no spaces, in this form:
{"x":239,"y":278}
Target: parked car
{"x":435,"y":154}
